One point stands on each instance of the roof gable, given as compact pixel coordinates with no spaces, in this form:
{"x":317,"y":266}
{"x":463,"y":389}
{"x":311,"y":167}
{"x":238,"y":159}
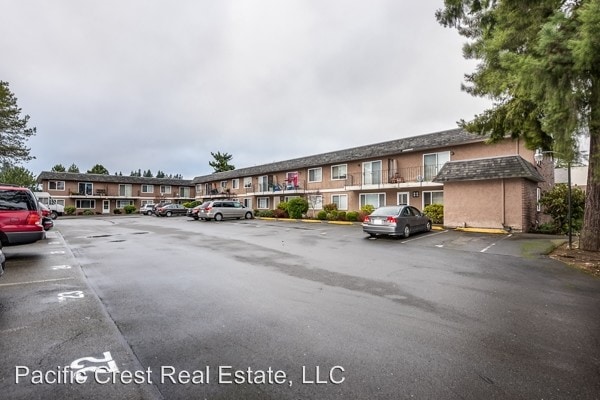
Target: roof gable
{"x":488,"y":168}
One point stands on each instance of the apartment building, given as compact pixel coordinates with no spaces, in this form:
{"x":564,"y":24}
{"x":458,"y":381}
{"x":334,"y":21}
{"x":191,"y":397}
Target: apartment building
{"x":104,"y":193}
{"x":482,"y":185}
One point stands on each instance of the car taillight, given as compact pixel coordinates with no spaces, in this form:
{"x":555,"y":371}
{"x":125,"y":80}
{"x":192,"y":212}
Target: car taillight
{"x":208,"y":208}
{"x":391,"y":220}
{"x":34,"y":219}
{"x":366,"y":219}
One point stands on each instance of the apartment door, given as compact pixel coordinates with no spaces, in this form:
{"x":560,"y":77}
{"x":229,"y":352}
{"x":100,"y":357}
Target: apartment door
{"x":105,"y":206}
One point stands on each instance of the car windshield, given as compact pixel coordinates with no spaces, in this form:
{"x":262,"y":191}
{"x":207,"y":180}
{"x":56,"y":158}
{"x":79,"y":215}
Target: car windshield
{"x":391,"y":210}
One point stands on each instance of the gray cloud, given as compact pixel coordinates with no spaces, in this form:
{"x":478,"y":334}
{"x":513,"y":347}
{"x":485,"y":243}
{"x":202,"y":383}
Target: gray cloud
{"x":146,"y":84}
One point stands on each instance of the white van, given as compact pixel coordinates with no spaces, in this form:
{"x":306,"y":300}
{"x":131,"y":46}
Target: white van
{"x":55,"y":208}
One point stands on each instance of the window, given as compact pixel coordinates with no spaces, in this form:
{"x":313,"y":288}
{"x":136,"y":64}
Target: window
{"x":291,"y":180}
{"x":263,"y":202}
{"x":402,"y":198}
{"x":60,"y":202}
{"x":235,"y":183}
{"x":84,"y":203}
{"x":85,"y":188}
{"x":339,"y":171}
{"x":538,"y":197}
{"x":248,"y":182}
{"x":165,"y":189}
{"x":56,"y":185}
{"x":371,"y":172}
{"x":436,"y":197}
{"x":432,"y":164}
{"x":123,"y":203}
{"x":145,"y":202}
{"x":315,"y":202}
{"x":248,"y":202}
{"x":184,"y":192}
{"x":147,"y":188}
{"x":125,"y":190}
{"x":315,"y":174}
{"x":223,"y":184}
{"x":374,"y":199}
{"x":340,"y":200}
{"x":264,"y":182}
{"x":198,"y":188}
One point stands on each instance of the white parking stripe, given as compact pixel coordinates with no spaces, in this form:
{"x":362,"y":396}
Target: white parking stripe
{"x":30,"y":282}
{"x":423,"y":237}
{"x":493,"y":244}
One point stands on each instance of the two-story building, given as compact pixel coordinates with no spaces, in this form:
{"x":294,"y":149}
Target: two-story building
{"x":498,"y":193}
{"x":104,"y":193}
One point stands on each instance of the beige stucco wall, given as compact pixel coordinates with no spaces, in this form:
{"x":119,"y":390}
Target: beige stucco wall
{"x":494,"y":203}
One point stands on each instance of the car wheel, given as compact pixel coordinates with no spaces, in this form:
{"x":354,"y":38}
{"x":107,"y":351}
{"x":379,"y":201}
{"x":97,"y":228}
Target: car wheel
{"x":218,"y":217}
{"x":428,"y":226}
{"x":248,"y":215}
{"x":169,"y":213}
{"x":196,"y":218}
{"x":406,"y":231}
{"x":53,"y":215}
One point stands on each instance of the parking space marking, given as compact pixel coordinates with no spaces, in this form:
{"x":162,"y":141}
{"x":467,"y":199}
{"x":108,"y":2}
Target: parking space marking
{"x":57,"y":267}
{"x":423,"y":237}
{"x":493,"y":244}
{"x":75,"y":294}
{"x":58,"y":252}
{"x":31,"y":282}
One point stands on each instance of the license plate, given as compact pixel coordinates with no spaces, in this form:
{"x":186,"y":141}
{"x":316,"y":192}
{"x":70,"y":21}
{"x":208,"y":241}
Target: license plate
{"x":377,"y":222}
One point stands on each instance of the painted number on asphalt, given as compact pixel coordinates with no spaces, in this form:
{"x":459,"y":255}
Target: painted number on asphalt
{"x":76,"y":294}
{"x":56,"y":267}
{"x":106,"y":364}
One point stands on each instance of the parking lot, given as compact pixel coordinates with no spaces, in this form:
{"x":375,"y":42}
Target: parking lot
{"x":146,"y":307}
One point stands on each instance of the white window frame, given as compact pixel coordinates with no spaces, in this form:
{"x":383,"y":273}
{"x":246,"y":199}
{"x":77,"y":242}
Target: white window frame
{"x":315,"y":202}
{"x":260,"y":200}
{"x":185,"y":192}
{"x":247,"y":182}
{"x":223,"y":184}
{"x":247,"y":202}
{"x":56,"y":186}
{"x":441,"y":158}
{"x":147,"y":188}
{"x":315,"y":178}
{"x":363,"y":202}
{"x":85,"y":191}
{"x":401,"y":194}
{"x":374,"y":179}
{"x":339,"y":176}
{"x":538,"y":196}
{"x":430,"y":193}
{"x":339,"y":204}
{"x":235,"y":183}
{"x":123,"y":203}
{"x":165,"y":189}
{"x":92,"y":202}
{"x":125,"y":190}
{"x":145,"y":202}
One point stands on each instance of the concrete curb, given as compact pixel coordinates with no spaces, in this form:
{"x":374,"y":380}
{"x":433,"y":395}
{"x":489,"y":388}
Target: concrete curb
{"x":483,"y":230}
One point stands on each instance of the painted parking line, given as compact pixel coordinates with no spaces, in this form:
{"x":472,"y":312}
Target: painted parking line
{"x":424,"y":236}
{"x":493,"y":244}
{"x":32,"y":282}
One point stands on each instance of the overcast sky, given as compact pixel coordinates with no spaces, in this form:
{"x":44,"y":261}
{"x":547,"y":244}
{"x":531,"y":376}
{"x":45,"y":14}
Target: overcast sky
{"x":147,"y":84}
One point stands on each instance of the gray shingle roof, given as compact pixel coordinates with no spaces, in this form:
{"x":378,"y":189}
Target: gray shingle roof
{"x":72,"y":176}
{"x":488,"y":168}
{"x":422,"y":142}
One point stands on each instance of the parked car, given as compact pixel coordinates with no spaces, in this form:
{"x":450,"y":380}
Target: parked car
{"x":47,"y":220}
{"x":170,"y":209}
{"x":147,"y":209}
{"x":20,"y":216}
{"x":399,"y":220}
{"x":221,"y":209}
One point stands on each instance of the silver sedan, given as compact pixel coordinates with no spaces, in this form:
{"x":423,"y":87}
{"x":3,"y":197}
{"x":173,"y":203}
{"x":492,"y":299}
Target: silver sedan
{"x":400,"y":220}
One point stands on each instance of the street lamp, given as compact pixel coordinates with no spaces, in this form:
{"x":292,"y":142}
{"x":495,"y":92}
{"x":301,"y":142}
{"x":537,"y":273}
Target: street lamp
{"x":539,"y":157}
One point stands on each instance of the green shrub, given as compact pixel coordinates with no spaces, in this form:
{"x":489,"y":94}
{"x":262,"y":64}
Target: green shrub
{"x":280,"y":213}
{"x":88,"y":212}
{"x":266,"y":213}
{"x":435,"y":212}
{"x":330,"y":207}
{"x":547,"y":228}
{"x":556,"y":204}
{"x":341,"y":216}
{"x":322,"y":215}
{"x":332,"y":215}
{"x":352,"y":216}
{"x":70,"y":210}
{"x":297,"y":207}
{"x":367,"y":208}
{"x":362,"y":215}
{"x":283,"y":206}
{"x":192,"y":204}
{"x":117,"y":211}
{"x":129,"y":209}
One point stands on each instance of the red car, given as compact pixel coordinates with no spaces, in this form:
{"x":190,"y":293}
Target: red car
{"x":20,"y":216}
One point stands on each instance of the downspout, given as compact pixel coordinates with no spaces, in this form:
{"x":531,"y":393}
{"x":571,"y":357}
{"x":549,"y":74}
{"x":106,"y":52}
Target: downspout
{"x":503,"y":204}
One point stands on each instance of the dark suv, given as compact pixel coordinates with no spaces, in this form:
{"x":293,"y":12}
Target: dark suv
{"x":20,"y":216}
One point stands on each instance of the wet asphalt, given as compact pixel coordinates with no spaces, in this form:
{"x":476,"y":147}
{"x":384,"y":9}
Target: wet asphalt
{"x":143,"y":307}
